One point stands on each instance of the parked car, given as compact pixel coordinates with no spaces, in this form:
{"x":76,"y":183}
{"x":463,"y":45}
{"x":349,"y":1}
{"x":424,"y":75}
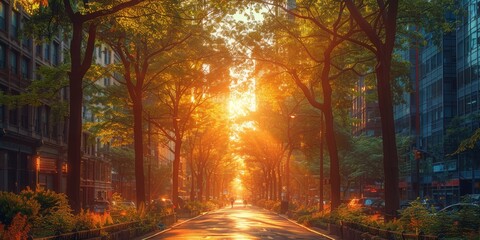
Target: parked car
{"x":459,"y":207}
{"x":378,"y":206}
{"x":431,"y":204}
{"x":362,"y":203}
{"x":122,"y":208}
{"x":100,"y":207}
{"x":161,"y":206}
{"x":466,"y":218}
{"x":472,"y":198}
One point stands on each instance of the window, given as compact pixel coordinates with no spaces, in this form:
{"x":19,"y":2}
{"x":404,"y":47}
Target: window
{"x":461,"y":106}
{"x":14,"y":24}
{"x":106,"y":56}
{"x":13,"y":62}
{"x":38,"y":51}
{"x":106,"y":81}
{"x":38,"y":119}
{"x":466,"y":76}
{"x":2,"y":16}
{"x":46,"y":54}
{"x":460,"y":80}
{"x":24,"y":117}
{"x":3,"y":50}
{"x":26,"y":42}
{"x":38,"y":76}
{"x":25,"y":68}
{"x":56,"y":54}
{"x":13,"y":116}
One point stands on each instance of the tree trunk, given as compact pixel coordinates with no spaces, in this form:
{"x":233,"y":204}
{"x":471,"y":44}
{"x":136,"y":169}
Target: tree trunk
{"x":176,"y":170}
{"x":329,"y":130}
{"x":274,"y":185}
{"x":192,"y":186}
{"x":200,"y":185}
{"x":321,"y":177}
{"x":390,"y":157}
{"x":138,"y":145}
{"x":75,"y":121}
{"x":287,"y":173}
{"x":279,"y":187}
{"x":207,"y":187}
{"x":383,"y":52}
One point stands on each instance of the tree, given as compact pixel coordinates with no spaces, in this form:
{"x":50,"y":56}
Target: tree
{"x":80,"y":17}
{"x":379,"y":22}
{"x":363,"y":162}
{"x":199,"y":78}
{"x":323,"y":57}
{"x":262,"y":152}
{"x":206,"y":145}
{"x":141,"y":45}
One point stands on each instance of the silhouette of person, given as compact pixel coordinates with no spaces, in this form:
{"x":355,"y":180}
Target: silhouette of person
{"x":232,"y":200}
{"x":244,"y":202}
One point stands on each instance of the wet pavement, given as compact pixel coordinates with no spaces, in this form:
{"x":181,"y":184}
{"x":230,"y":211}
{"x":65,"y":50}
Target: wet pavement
{"x":239,"y":222}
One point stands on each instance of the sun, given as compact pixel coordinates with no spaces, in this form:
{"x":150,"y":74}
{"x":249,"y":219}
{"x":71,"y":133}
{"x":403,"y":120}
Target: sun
{"x":242,"y":98}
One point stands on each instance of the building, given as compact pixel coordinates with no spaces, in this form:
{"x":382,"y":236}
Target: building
{"x":96,"y":173}
{"x":366,"y":113}
{"x":445,"y":80}
{"x":467,"y":164}
{"x":33,"y":138}
{"x":441,"y":110}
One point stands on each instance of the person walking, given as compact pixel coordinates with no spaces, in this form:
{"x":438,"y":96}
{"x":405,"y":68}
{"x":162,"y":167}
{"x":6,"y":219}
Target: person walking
{"x":244,"y":202}
{"x":232,"y":200}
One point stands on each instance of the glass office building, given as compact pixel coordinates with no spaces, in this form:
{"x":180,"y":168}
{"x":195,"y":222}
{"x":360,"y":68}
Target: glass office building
{"x":468,"y":89}
{"x":445,"y":83}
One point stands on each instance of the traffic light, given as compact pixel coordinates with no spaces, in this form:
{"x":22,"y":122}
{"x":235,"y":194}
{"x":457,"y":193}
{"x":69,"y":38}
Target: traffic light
{"x":418,"y":154}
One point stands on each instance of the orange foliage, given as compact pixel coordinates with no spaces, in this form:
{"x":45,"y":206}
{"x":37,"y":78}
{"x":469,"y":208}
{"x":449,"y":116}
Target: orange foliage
{"x":18,"y":230}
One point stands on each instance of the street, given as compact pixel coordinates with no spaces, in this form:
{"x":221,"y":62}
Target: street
{"x":238,"y":222}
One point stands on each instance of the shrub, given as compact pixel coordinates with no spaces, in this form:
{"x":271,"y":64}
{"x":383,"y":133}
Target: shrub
{"x":84,"y":221}
{"x":193,"y":206}
{"x":18,"y":229}
{"x":11,"y":204}
{"x":302,"y":210}
{"x":269,"y":204}
{"x":418,"y":218}
{"x":305,"y":220}
{"x":209,"y":206}
{"x":55,"y":215}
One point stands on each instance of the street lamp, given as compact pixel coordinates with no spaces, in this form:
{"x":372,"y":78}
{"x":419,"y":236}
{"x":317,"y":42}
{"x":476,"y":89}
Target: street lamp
{"x":37,"y":171}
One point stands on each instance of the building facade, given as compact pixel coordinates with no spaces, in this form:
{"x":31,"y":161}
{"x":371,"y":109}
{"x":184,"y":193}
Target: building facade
{"x":440,"y":112}
{"x":33,"y":138}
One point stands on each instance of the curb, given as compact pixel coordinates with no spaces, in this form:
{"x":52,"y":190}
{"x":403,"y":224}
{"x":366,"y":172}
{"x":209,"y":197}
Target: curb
{"x":174,"y":225}
{"x":307,"y":228}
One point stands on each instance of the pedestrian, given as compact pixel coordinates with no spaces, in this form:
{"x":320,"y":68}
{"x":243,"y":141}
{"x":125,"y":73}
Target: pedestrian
{"x":244,"y":202}
{"x":232,"y":200}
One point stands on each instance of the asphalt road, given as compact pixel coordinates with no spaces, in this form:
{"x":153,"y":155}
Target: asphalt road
{"x":238,"y":223}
